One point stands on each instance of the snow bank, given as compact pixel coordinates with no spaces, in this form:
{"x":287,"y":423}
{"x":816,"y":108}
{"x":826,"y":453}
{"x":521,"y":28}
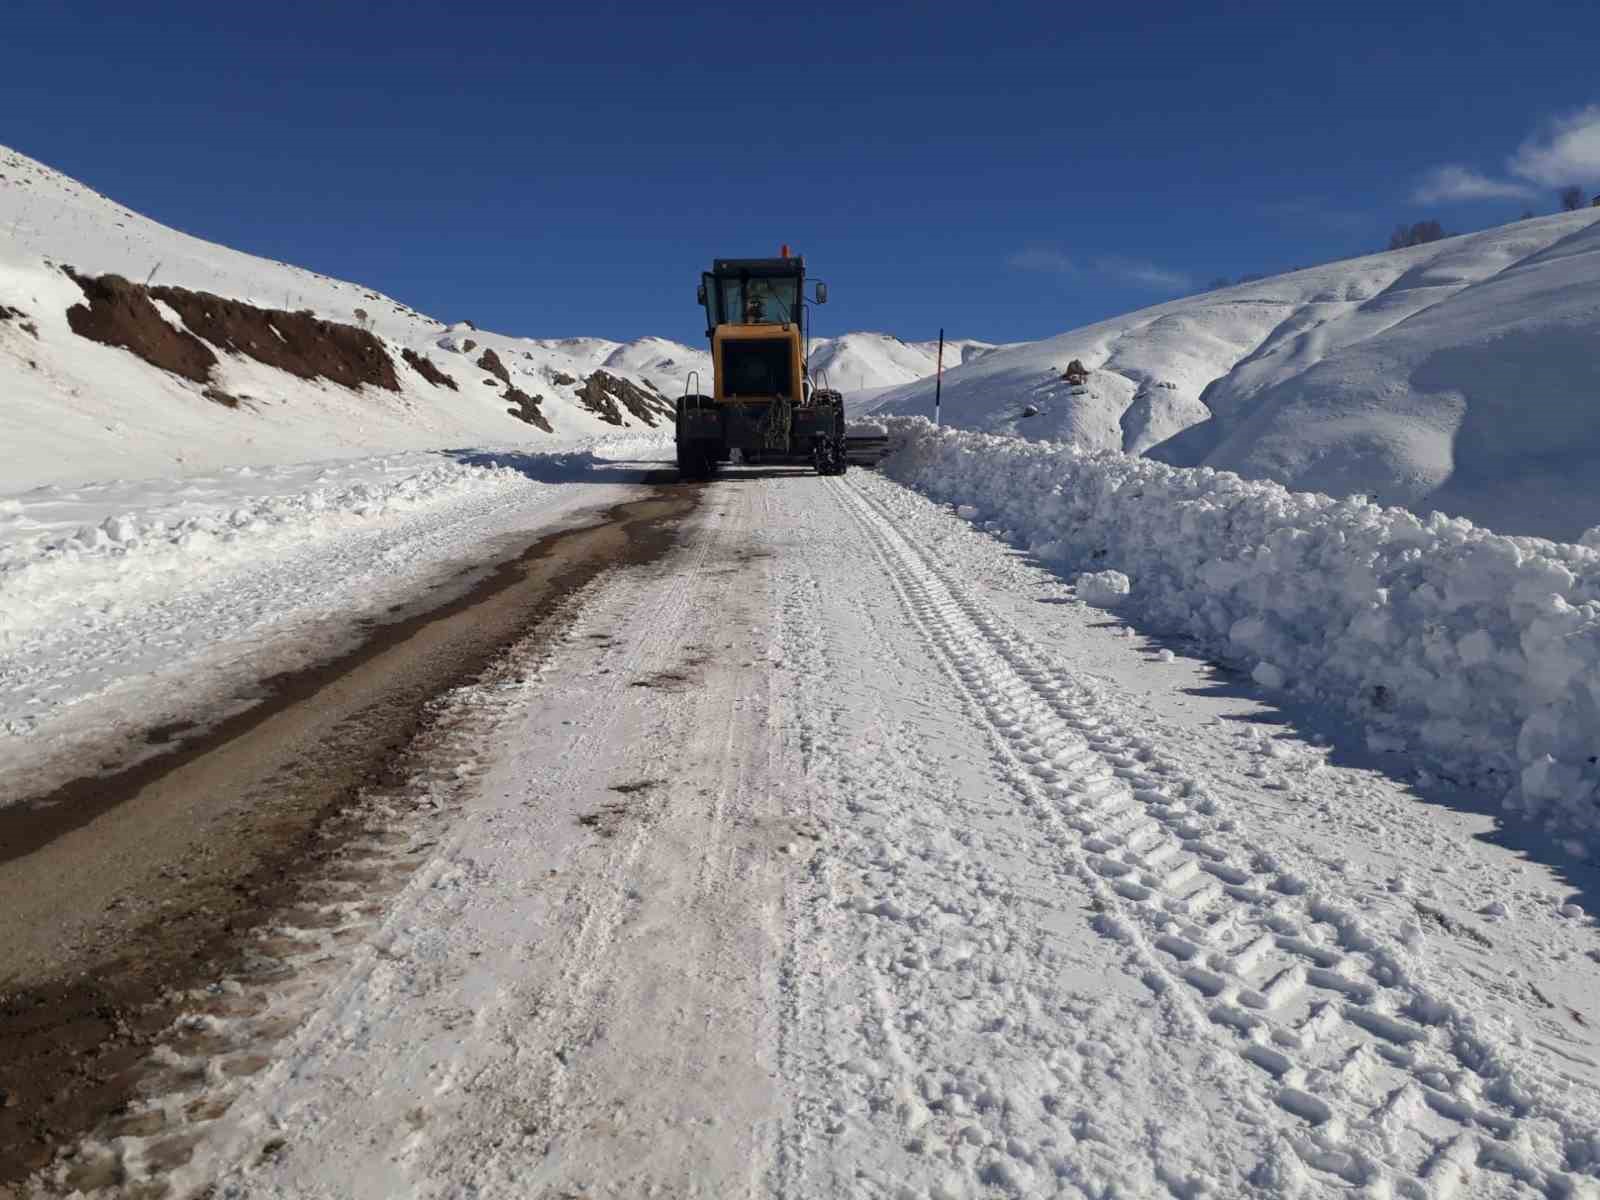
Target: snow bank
{"x":122,"y":542}
{"x":1480,"y":651}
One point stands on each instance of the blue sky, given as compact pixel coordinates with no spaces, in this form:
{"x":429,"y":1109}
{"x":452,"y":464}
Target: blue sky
{"x":1004,"y":170}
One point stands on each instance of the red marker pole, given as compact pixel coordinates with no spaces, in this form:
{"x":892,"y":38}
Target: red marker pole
{"x":938,"y":380}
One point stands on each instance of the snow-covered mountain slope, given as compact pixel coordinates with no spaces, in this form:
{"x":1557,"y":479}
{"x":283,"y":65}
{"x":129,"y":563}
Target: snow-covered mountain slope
{"x":74,"y":409}
{"x":1459,"y":376}
{"x":863,"y":362}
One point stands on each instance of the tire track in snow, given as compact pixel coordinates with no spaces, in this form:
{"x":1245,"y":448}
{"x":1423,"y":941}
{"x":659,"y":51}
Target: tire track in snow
{"x":947,"y":1030}
{"x":1395,"y":1089}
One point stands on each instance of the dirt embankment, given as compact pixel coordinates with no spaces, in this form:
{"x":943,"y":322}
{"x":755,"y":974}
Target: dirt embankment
{"x":423,"y":365}
{"x":606,"y":395}
{"x":300,"y":343}
{"x":119,"y":313}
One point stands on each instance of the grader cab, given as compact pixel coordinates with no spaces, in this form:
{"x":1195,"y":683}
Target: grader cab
{"x":763,"y":404}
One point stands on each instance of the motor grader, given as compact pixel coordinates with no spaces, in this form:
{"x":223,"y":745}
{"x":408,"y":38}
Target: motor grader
{"x":764,"y":405}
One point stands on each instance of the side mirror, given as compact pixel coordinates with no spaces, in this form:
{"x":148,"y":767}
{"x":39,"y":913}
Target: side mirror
{"x":700,"y":295}
{"x":822,"y":293}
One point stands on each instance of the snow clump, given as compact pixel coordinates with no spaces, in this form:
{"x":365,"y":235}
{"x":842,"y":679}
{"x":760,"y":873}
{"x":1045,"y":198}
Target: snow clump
{"x":1103,"y":589}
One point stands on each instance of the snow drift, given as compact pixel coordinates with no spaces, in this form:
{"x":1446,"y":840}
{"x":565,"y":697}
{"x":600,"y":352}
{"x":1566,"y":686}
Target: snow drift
{"x":1459,"y":375}
{"x":1480,"y":650}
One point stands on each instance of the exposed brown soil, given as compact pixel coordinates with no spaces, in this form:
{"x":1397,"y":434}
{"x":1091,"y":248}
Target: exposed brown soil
{"x":606,"y":395}
{"x":297,"y":342}
{"x":201,"y":848}
{"x":423,"y":365}
{"x":526,"y":408}
{"x":490,"y":362}
{"x":119,"y":313}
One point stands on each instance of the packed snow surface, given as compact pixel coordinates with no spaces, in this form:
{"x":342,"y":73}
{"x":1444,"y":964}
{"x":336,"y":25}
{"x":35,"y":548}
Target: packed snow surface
{"x":844,"y":854}
{"x":1478,"y":649}
{"x":1459,"y":375}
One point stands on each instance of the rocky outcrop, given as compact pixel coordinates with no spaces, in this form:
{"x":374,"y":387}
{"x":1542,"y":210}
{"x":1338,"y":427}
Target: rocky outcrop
{"x":607,"y":395}
{"x":490,"y":361}
{"x":526,"y":408}
{"x":423,"y":365}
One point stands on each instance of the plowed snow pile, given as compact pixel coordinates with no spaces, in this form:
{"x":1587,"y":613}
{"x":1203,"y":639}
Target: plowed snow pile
{"x":1460,"y":376}
{"x":1480,"y":650}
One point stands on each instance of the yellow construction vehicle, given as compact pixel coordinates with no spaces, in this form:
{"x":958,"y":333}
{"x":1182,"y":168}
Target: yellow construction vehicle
{"x":763,"y":405}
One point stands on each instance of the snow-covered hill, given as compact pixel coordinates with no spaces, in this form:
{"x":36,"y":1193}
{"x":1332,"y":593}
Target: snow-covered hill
{"x":73,"y":409}
{"x":863,"y":362}
{"x":1460,"y":375}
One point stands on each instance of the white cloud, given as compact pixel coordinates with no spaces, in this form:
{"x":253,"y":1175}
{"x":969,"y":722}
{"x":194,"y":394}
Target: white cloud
{"x":1567,"y":151}
{"x":1463,"y":183}
{"x":1144,"y":274}
{"x":1043,"y":260}
{"x":1129,"y":270}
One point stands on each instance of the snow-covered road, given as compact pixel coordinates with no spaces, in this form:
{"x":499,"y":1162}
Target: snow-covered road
{"x":841,"y":852}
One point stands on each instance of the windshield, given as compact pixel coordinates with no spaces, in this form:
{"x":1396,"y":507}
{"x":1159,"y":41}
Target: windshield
{"x":756,"y":301}
{"x":757,"y":368}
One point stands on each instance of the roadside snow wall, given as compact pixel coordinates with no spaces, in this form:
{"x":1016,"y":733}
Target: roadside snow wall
{"x":1480,"y":651}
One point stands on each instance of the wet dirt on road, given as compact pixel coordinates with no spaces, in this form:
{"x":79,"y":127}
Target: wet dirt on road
{"x":118,"y":891}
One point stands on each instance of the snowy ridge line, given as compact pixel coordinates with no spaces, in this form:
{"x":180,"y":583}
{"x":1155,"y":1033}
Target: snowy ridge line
{"x":1399,"y":1090}
{"x":135,"y":555}
{"x":1480,"y":650}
